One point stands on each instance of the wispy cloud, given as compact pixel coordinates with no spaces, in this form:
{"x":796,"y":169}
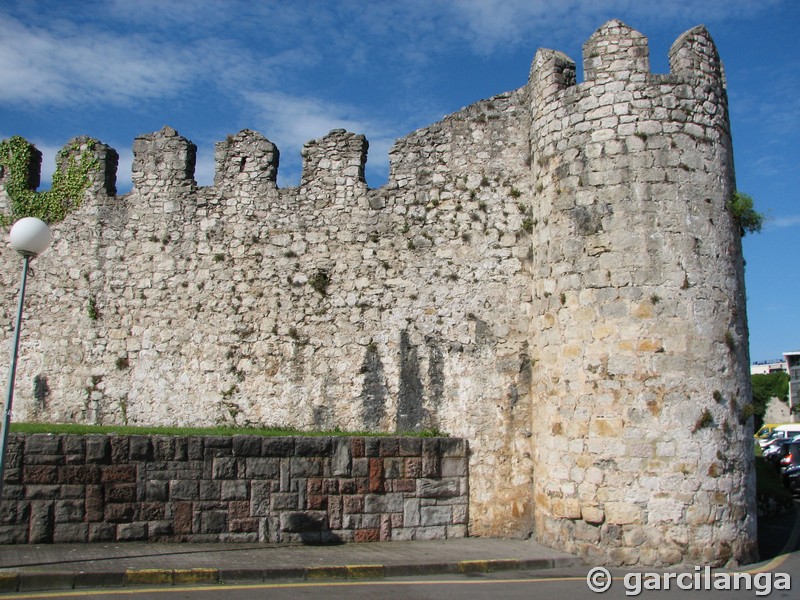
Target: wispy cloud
{"x":290,"y":121}
{"x":783,"y":222}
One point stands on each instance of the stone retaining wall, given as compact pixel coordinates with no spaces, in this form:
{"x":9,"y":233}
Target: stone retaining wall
{"x":99,"y":488}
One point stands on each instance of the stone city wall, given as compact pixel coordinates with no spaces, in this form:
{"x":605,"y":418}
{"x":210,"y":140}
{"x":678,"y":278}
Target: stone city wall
{"x":117,"y":488}
{"x":552,"y":274}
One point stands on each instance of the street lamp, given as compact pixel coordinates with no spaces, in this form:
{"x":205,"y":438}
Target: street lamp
{"x":30,"y":237}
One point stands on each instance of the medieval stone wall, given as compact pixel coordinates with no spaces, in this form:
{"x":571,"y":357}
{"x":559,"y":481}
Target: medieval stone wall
{"x":120,"y":488}
{"x":552,"y":274}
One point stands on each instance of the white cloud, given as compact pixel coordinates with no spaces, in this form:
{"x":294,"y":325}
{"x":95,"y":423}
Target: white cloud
{"x":291,"y":121}
{"x":64,"y":65}
{"x":783,"y":222}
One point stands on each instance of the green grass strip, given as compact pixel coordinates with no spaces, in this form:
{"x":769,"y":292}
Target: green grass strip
{"x":202,"y":431}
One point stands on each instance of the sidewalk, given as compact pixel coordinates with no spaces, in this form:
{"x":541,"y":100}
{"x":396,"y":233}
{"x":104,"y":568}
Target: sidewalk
{"x":68,"y":566}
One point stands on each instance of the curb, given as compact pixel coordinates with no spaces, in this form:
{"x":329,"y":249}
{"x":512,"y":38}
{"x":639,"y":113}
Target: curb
{"x":33,"y":581}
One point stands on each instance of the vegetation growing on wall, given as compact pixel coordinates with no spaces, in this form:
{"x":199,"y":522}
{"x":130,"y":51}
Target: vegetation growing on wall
{"x":748,"y":218}
{"x":69,"y":182}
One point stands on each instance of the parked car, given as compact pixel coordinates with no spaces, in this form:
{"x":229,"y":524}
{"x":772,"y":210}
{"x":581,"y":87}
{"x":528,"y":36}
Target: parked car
{"x":791,"y":458}
{"x":791,"y":478}
{"x":776,"y":451}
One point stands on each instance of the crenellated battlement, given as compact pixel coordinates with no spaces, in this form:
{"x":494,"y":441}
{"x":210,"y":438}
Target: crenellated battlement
{"x":552,"y":273}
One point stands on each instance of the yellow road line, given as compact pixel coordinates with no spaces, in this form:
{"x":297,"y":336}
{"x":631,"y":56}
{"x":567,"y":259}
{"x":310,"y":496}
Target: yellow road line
{"x":265,"y":586}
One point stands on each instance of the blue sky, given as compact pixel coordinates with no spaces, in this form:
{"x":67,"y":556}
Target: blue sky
{"x":115,"y":69}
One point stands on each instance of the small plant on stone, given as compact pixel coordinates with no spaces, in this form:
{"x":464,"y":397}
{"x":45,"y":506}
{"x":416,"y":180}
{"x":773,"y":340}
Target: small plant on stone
{"x":91,"y":309}
{"x":320,"y":281}
{"x":704,"y":420}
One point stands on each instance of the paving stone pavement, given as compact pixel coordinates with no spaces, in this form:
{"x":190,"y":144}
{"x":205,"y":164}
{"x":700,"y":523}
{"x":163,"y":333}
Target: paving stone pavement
{"x":68,"y":566}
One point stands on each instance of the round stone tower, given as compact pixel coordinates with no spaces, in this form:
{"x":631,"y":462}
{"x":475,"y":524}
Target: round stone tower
{"x":642,"y":451}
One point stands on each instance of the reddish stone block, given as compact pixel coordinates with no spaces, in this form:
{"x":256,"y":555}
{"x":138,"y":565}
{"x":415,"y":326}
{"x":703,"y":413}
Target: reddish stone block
{"x":182,"y":517}
{"x":40,"y":474}
{"x":362,"y":485}
{"x":404,"y":485}
{"x":357,"y":447}
{"x":95,"y":506}
{"x":248,"y":525}
{"x":347,"y":486}
{"x":79,"y":474}
{"x":386,"y":528}
{"x":353,"y":504}
{"x":121,"y":492}
{"x":330,"y":486}
{"x":118,"y":474}
{"x":239,"y":509}
{"x":367,"y":535}
{"x":317,"y":502}
{"x":314,"y":486}
{"x":375,"y":475}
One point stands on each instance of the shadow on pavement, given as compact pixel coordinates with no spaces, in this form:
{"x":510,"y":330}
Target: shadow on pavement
{"x":779,"y":534}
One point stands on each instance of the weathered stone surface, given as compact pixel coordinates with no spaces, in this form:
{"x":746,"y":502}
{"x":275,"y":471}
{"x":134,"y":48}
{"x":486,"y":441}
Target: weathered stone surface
{"x":552,"y":273}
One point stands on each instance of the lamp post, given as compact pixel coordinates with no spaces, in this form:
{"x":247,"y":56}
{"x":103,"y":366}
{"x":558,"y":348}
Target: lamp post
{"x":30,"y":237}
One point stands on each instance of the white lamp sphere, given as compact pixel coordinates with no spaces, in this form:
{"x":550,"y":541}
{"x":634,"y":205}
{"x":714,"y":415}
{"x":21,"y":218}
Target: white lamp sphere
{"x":30,"y":236}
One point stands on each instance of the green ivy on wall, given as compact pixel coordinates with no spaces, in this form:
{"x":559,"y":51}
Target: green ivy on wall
{"x":65,"y":192}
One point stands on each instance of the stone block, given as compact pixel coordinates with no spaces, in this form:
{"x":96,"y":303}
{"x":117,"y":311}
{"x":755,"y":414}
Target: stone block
{"x":224,"y":468}
{"x":120,"y":492}
{"x":246,"y":445}
{"x":234,"y":490}
{"x":213,"y":521}
{"x":120,"y":447}
{"x":42,"y":492}
{"x":341,"y":460}
{"x":118,"y":473}
{"x":410,"y":446}
{"x":277,"y":446}
{"x":260,"y":497}
{"x":367,"y":535}
{"x":41,"y":523}
{"x":454,"y":467}
{"x":101,"y":532}
{"x":140,"y":448}
{"x":313,"y":446}
{"x":383,"y":503}
{"x":435,"y":515}
{"x":305,"y":521}
{"x":132,"y":532}
{"x":182,"y":517}
{"x":71,"y":533}
{"x":262,"y":468}
{"x":438,"y":488}
{"x":284,"y":501}
{"x":622,"y":513}
{"x":411,"y":512}
{"x":210,"y":490}
{"x":42,"y":443}
{"x":68,"y":511}
{"x":184,"y":490}
{"x":302,"y":467}
{"x":121,"y":513}
{"x":156,"y":491}
{"x":39,"y":474}
{"x":375,"y":475}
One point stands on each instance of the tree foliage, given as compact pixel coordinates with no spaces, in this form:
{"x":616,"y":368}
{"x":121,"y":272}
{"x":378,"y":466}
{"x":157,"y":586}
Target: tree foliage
{"x":766,"y":387}
{"x":748,"y":218}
